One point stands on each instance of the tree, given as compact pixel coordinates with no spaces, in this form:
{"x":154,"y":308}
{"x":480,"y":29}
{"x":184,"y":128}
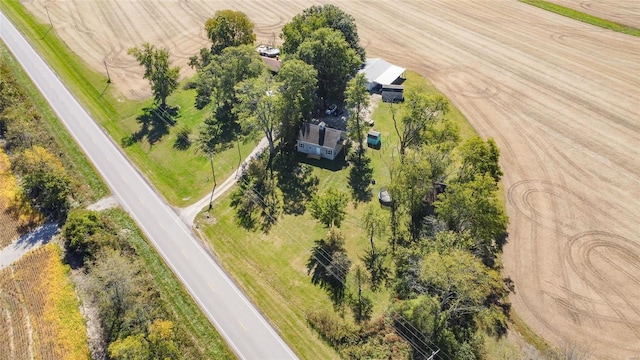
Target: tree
{"x":329,"y":208}
{"x":315,"y":17}
{"x":419,"y":112}
{"x":161,"y":338}
{"x":229,"y":28}
{"x":474,"y":207}
{"x":162,"y":77}
{"x":454,"y":294}
{"x":477,"y":158}
{"x":217,"y":81}
{"x":373,"y":223}
{"x":357,"y":97}
{"x":335,"y":61}
{"x":260,"y":105}
{"x":298,"y":81}
{"x":361,"y":305}
{"x":80,"y":226}
{"x":329,"y":265}
{"x":116,"y":286}
{"x":44,"y":180}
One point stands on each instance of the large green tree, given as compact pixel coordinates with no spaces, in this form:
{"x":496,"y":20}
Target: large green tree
{"x":158,"y":70}
{"x":329,"y":208}
{"x":217,"y":81}
{"x":478,"y":157}
{"x":474,"y":207}
{"x":418,"y":113}
{"x":259,"y":105}
{"x":298,"y":81}
{"x":357,"y":98}
{"x":229,"y":28}
{"x":318,"y":16}
{"x":335,"y":61}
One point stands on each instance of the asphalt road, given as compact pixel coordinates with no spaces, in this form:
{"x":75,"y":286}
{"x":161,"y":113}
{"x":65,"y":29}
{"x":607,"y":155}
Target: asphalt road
{"x":243,"y":327}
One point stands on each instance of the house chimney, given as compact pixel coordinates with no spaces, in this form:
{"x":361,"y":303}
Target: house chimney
{"x":321,"y":131}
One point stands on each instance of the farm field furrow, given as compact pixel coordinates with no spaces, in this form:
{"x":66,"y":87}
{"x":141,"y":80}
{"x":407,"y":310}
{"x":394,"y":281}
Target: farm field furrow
{"x":560,"y":98}
{"x":626,"y":12}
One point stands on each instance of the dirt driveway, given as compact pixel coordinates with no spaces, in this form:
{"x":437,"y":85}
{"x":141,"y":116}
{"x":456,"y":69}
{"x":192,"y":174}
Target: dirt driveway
{"x":560,"y":97}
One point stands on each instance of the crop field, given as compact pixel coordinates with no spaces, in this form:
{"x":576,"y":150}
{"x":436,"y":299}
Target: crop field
{"x":560,"y":97}
{"x":39,"y":316}
{"x":626,"y":12}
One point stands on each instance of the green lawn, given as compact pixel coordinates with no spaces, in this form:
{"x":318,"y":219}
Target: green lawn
{"x":271,"y":268}
{"x":586,"y":18}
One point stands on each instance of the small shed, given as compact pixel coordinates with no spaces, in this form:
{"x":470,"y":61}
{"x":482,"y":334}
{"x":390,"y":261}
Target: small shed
{"x":374,"y":139}
{"x":393,"y":93}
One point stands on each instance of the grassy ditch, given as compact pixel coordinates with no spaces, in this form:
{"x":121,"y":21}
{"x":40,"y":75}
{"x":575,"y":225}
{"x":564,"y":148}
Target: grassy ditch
{"x":181,"y":176}
{"x":586,"y":18}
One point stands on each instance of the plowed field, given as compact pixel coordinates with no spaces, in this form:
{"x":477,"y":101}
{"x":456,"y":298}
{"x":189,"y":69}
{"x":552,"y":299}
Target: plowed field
{"x":560,"y":97}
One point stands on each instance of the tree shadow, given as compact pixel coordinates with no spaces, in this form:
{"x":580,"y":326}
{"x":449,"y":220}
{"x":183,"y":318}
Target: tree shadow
{"x":183,"y":140}
{"x":155,"y":122}
{"x":360,"y":177}
{"x":296,"y":181}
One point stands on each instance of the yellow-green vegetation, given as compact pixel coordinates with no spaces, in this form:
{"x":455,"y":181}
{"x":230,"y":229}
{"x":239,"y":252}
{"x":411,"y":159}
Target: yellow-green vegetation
{"x":586,"y":18}
{"x":16,"y":214}
{"x":40,"y":314}
{"x":528,"y":334}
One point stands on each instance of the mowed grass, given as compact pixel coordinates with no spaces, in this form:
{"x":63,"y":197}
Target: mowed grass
{"x":40,"y":309}
{"x":586,"y":18}
{"x":187,"y":313}
{"x":181,"y":176}
{"x":271,"y":268}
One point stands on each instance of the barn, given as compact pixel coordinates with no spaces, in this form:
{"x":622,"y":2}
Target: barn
{"x":379,"y":73}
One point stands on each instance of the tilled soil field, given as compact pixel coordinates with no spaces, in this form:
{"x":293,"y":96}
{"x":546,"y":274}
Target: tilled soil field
{"x":561,"y":98}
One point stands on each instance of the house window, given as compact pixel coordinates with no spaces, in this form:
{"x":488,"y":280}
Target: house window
{"x":329,"y":152}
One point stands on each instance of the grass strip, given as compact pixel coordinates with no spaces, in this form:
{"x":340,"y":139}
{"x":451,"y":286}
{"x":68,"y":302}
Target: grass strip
{"x":586,"y":18}
{"x":528,"y":334}
{"x":187,"y":313}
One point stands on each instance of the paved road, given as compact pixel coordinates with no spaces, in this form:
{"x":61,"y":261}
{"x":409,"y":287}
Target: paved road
{"x":238,"y":321}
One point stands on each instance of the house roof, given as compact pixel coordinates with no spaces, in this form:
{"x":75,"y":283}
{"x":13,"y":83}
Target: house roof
{"x":310,"y":133}
{"x":274,"y":64}
{"x":381,"y":72}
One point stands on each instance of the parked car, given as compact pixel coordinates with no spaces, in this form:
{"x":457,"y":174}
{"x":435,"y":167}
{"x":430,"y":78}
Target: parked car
{"x":331,"y":110}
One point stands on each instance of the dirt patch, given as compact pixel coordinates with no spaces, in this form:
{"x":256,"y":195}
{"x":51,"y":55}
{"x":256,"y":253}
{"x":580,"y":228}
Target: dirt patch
{"x":560,"y":98}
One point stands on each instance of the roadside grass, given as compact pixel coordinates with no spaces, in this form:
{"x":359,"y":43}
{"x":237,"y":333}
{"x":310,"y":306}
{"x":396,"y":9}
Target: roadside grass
{"x":72,"y":154}
{"x":586,"y":18}
{"x":181,"y":176}
{"x":187,"y":313}
{"x":271,"y":268}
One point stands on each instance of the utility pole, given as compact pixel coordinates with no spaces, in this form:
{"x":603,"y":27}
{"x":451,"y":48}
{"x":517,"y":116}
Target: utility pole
{"x":214,"y":181}
{"x":106,"y":67}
